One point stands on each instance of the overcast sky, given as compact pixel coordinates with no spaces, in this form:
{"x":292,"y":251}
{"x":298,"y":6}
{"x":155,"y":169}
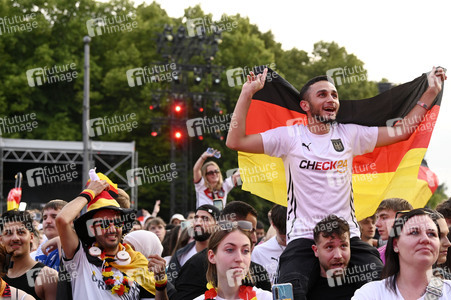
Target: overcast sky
{"x":398,"y":40}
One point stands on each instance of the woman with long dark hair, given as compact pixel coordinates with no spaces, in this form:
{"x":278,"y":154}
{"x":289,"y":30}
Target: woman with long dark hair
{"x":412,"y":249}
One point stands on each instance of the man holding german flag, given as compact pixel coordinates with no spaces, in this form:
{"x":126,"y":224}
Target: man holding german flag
{"x":318,"y":160}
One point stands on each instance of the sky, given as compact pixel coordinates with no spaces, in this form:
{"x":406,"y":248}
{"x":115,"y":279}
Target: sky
{"x":398,"y":40}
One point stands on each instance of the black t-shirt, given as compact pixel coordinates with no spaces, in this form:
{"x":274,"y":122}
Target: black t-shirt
{"x":21,"y":282}
{"x":192,"y":280}
{"x":330,"y":289}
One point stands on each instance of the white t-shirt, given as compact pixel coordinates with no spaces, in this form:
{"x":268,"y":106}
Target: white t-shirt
{"x":184,"y":258}
{"x":87,"y":280}
{"x":261,"y":295}
{"x":318,"y":170}
{"x":376,"y":290}
{"x":204,"y":196}
{"x":267,"y":255}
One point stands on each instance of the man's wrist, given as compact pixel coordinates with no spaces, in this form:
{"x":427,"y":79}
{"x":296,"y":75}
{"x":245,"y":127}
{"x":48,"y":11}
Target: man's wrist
{"x":247,"y":94}
{"x":87,"y":194}
{"x":423,"y":105}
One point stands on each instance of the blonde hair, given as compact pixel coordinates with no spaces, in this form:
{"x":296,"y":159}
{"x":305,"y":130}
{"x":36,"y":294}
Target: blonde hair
{"x":218,"y":185}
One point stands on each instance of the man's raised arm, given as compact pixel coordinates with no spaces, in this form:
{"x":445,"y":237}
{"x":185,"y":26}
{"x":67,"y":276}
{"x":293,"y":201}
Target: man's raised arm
{"x":69,"y":239}
{"x":416,"y":115}
{"x":237,"y":138}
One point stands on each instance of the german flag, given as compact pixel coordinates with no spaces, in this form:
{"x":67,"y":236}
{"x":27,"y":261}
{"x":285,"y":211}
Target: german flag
{"x":387,"y":172}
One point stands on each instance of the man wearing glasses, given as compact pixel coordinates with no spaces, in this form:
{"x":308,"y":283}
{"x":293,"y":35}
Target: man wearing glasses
{"x":99,"y":265}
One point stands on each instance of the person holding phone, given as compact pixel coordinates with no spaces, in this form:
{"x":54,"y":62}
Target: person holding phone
{"x":208,"y":180}
{"x":229,"y":259}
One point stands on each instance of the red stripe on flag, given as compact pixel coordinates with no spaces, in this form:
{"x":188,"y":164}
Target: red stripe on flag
{"x":263,"y":116}
{"x":388,"y":158}
{"x":430,"y":177}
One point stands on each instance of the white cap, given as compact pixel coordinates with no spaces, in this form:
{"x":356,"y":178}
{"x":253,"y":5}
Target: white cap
{"x":177,"y":216}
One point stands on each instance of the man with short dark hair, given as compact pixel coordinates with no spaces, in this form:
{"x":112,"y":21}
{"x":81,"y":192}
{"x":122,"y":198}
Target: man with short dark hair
{"x":26,"y":274}
{"x":445,"y":209}
{"x":267,"y":254}
{"x":203,"y":226}
{"x":51,"y":239}
{"x":318,"y":159}
{"x":332,"y":248}
{"x":385,"y":217}
{"x":260,"y":231}
{"x":192,"y":281}
{"x":368,"y":230}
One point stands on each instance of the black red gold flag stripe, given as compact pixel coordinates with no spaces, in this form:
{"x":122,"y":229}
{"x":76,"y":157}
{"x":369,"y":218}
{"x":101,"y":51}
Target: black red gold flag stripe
{"x":391,"y":171}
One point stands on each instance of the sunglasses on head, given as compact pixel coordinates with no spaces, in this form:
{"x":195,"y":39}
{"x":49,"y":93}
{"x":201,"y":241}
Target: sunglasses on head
{"x":243,"y":225}
{"x":212,"y":172}
{"x":426,"y":211}
{"x":401,"y":213}
{"x":105,"y":224}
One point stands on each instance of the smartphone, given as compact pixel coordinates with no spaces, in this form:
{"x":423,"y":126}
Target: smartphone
{"x":186,"y":224}
{"x":218,"y":203}
{"x":282,"y":291}
{"x":217,"y":154}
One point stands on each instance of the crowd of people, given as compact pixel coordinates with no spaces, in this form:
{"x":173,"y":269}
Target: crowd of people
{"x":220,"y":250}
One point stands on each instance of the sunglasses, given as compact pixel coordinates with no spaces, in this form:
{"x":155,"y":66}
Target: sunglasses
{"x":403,"y":212}
{"x":229,"y":225}
{"x":212,"y":172}
{"x":105,"y":224}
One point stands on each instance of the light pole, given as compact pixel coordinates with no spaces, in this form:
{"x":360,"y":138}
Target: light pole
{"x":86,"y":141}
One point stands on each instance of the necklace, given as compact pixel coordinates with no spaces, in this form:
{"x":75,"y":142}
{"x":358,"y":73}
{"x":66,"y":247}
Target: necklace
{"x":110,"y":282}
{"x":108,"y":276}
{"x":245,"y":293}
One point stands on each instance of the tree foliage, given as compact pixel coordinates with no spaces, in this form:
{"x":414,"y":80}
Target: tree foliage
{"x":58,"y":40}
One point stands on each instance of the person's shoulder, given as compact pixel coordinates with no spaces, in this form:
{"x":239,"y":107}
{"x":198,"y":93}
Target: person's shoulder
{"x":200,"y":181}
{"x":447,"y":285}
{"x":184,"y":249}
{"x":197,"y":258}
{"x":354,"y":128}
{"x":371,"y":289}
{"x":201,"y":297}
{"x":265,"y":245}
{"x":262,"y":294}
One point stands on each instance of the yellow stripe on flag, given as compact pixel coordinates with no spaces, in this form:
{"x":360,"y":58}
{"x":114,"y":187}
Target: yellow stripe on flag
{"x":371,"y":189}
{"x":264,"y":176}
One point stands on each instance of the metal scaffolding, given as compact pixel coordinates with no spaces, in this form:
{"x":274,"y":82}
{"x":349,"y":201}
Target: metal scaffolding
{"x":71,"y":152}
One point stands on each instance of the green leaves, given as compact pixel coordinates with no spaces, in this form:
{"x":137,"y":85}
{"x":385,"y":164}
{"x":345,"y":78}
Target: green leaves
{"x":57,"y":39}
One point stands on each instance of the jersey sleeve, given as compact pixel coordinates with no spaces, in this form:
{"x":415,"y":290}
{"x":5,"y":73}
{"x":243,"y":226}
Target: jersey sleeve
{"x":200,"y":186}
{"x":363,"y":138}
{"x":228,"y":185}
{"x":71,"y":265}
{"x":277,"y":141}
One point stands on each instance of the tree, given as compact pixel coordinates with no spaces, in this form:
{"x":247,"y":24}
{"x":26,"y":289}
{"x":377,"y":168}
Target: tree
{"x":438,"y":196}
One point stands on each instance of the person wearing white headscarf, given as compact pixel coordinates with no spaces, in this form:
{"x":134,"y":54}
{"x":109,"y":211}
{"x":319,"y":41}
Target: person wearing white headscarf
{"x":144,"y":241}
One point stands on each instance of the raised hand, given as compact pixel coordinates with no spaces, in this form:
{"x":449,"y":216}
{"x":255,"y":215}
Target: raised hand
{"x":254,"y":82}
{"x":436,"y":78}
